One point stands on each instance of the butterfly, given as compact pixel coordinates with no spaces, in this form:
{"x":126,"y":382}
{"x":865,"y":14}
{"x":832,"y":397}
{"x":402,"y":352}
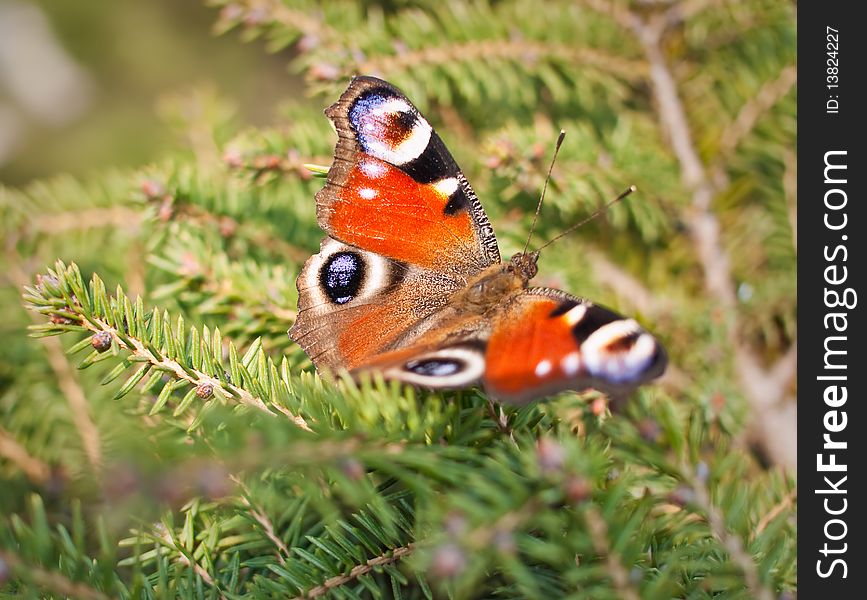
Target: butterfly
{"x":408,"y":281}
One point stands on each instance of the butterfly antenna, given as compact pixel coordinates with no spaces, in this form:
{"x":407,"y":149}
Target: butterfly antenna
{"x":544,"y":189}
{"x":623,"y":195}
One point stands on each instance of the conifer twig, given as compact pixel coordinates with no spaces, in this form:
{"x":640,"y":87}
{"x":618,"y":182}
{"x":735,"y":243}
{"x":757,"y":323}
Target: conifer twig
{"x":259,"y":515}
{"x":772,"y":514}
{"x":599,"y":535}
{"x":616,"y":11}
{"x":257,"y":12}
{"x":498,"y":415}
{"x":49,"y":580}
{"x":198,"y":215}
{"x":732,"y":542}
{"x":685,"y":9}
{"x":522,"y":51}
{"x":78,"y":404}
{"x":750,"y":113}
{"x":790,"y":189}
{"x":184,"y":560}
{"x":197,"y":378}
{"x":140,"y":350}
{"x":36,"y":470}
{"x":358,"y":571}
{"x":627,"y":287}
{"x":762,"y":391}
{"x":53,"y":223}
{"x":66,"y":379}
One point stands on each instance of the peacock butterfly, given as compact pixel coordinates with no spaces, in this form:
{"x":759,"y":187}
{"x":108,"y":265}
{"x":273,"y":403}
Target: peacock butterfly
{"x":408,"y":281}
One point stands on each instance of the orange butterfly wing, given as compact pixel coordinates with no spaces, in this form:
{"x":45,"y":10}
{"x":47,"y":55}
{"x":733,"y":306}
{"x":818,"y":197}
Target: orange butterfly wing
{"x":395,"y":189}
{"x":545,"y":341}
{"x":540,"y":342}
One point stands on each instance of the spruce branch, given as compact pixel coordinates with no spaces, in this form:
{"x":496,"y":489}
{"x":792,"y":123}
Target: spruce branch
{"x":626,"y":285}
{"x":769,"y":94}
{"x":400,"y":489}
{"x":81,"y":411}
{"x":45,"y":580}
{"x":616,"y":570}
{"x":273,"y":12}
{"x":790,"y":189}
{"x":614,"y":10}
{"x":261,"y":164}
{"x":783,"y":505}
{"x":59,"y":223}
{"x":388,"y":558}
{"x":683,"y":10}
{"x":761,"y":390}
{"x":180,"y":196}
{"x":263,"y":520}
{"x":498,"y":416}
{"x":66,"y":378}
{"x":732,"y":542}
{"x":528,"y":52}
{"x":139,"y":349}
{"x":34,"y":469}
{"x":183,"y":557}
{"x":62,"y":293}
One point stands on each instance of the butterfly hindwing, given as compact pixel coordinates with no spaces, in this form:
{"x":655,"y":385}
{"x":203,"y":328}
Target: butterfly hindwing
{"x":545,"y":341}
{"x":352,"y":304}
{"x":395,"y":189}
{"x":540,"y":342}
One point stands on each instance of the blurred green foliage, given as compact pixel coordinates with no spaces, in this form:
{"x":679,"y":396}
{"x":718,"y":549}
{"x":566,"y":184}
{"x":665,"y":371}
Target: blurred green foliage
{"x":130,"y":54}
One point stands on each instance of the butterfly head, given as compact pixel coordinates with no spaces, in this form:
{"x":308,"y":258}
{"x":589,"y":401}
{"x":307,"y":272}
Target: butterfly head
{"x":523,"y":264}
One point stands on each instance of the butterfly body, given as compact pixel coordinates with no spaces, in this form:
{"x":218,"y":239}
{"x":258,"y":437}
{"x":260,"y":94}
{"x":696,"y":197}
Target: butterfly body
{"x":409,"y":283}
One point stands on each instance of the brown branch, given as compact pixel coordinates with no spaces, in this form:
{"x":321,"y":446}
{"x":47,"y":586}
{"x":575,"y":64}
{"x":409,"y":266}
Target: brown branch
{"x":498,"y":416}
{"x":256,"y":12}
{"x":358,"y":571}
{"x":625,"y":286}
{"x":686,"y":9}
{"x":36,"y":470}
{"x":77,"y":220}
{"x":732,"y":542}
{"x":616,"y":570}
{"x":197,"y":378}
{"x":49,"y":581}
{"x":167,"y":539}
{"x":790,"y":189}
{"x":772,"y":514}
{"x":261,"y":237}
{"x":750,"y":113}
{"x":78,"y":403}
{"x":478,"y":538}
{"x":761,"y":390}
{"x":786,"y":368}
{"x":263,"y":520}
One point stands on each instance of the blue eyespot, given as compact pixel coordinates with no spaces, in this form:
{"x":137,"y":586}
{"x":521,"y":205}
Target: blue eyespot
{"x":377,"y":129}
{"x":434,"y":367}
{"x":341,"y":276}
{"x":362,"y":108}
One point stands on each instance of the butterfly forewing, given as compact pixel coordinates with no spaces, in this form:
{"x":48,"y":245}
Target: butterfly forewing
{"x":395,"y":189}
